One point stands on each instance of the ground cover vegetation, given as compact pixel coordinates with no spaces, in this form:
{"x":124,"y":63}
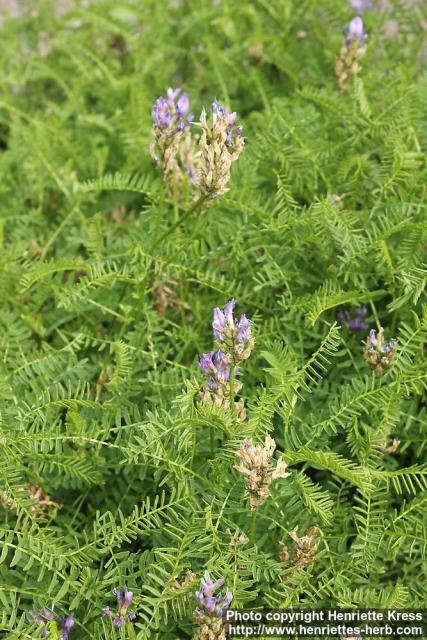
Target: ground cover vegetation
{"x":212,"y":327}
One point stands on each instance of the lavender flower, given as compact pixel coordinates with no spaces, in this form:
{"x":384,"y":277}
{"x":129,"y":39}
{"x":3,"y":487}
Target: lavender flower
{"x":168,"y":115}
{"x":172,"y":147}
{"x":353,"y":49}
{"x":235,"y":344}
{"x":67,"y":625}
{"x":221,"y":144}
{"x":378,"y":353}
{"x":124,"y":600}
{"x":45,"y":616}
{"x":209,"y":614}
{"x":361,"y":5}
{"x":355,"y":32}
{"x":41,"y":619}
{"x":357,"y":323}
{"x":234,"y":337}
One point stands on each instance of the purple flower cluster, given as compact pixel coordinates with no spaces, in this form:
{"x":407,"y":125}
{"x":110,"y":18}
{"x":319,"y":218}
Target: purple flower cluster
{"x":220,"y":113}
{"x":170,"y":112}
{"x":211,"y":605}
{"x":361,"y":5}
{"x":377,"y":344}
{"x":235,"y":344}
{"x":216,"y":367}
{"x":45,"y":616}
{"x":227,"y":329}
{"x":124,"y":600}
{"x":378,"y":353}
{"x":355,"y":32}
{"x":355,"y":323}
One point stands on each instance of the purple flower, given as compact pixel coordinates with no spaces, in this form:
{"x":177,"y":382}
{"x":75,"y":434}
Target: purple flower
{"x":244,"y":329}
{"x":166,"y":114}
{"x":227,"y":120}
{"x":124,"y":600}
{"x":225,"y":603}
{"x":378,"y":353}
{"x":205,"y":362}
{"x":160,"y":114}
{"x":222,"y":365}
{"x":232,"y":119}
{"x":41,"y":618}
{"x":48,"y":615}
{"x":361,"y":5}
{"x":372,"y":338}
{"x":357,"y":323}
{"x":127,"y":597}
{"x":355,"y":32}
{"x":68,"y":623}
{"x":225,"y":326}
{"x":208,"y":586}
{"x":210,"y":604}
{"x":228,"y":312}
{"x":183,"y":104}
{"x":355,"y":29}
{"x":218,"y":323}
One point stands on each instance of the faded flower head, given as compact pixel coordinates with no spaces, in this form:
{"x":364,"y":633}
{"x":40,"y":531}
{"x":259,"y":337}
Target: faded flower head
{"x":256,"y":464}
{"x":304,"y":553}
{"x":221,"y":144}
{"x":355,"y":323}
{"x":385,"y":448}
{"x":353,"y":49}
{"x":124,"y":600}
{"x":189,"y":577}
{"x":39,"y":502}
{"x":378,"y":353}
{"x":211,"y":609}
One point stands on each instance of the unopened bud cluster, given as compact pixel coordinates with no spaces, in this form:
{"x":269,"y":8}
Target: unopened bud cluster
{"x":235,"y":342}
{"x":378,"y":353}
{"x":204,"y":161}
{"x":211,"y":609}
{"x":305,"y":550}
{"x":256,"y":464}
{"x":352,"y":50}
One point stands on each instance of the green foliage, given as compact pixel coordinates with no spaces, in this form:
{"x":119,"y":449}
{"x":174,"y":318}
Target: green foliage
{"x":106,"y":295}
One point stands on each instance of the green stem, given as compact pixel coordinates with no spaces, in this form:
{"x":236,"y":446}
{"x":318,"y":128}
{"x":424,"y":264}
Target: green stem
{"x":253,"y":527}
{"x":212,"y":439}
{"x":197,"y":205}
{"x":232,"y":405}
